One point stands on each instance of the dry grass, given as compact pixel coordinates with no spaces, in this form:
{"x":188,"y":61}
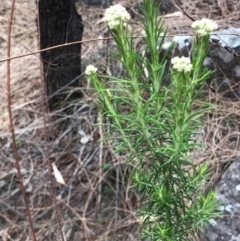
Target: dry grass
{"x":97,"y":203}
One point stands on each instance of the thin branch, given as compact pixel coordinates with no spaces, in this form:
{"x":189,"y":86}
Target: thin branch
{"x":14,"y":146}
{"x":82,"y":42}
{"x":86,"y":41}
{"x":54,"y":47}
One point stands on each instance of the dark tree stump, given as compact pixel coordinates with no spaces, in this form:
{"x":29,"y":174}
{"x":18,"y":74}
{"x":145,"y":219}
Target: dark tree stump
{"x":59,"y":24}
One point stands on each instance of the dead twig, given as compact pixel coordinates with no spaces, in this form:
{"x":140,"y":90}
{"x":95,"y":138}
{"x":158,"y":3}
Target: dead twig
{"x":14,"y":146}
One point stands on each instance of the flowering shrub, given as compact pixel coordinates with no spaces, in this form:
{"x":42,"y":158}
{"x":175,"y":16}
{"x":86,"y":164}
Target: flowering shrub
{"x":204,"y":26}
{"x":115,"y":15}
{"x":182,"y":64}
{"x":158,"y":130}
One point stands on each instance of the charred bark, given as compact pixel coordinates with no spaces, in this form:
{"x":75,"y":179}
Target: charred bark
{"x":59,"y":24}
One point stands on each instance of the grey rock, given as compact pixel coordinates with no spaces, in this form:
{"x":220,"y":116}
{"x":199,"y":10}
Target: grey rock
{"x":227,"y":228}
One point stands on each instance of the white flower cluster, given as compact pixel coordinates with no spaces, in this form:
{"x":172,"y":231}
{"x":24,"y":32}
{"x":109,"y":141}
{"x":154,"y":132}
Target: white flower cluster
{"x":204,"y":26}
{"x":91,"y":70}
{"x":115,"y":15}
{"x":182,"y":64}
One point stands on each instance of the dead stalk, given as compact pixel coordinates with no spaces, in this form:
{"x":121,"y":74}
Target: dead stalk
{"x":9,"y":106}
{"x":59,"y":46}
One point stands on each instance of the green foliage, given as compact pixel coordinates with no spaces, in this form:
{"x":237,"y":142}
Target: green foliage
{"x":159,"y":128}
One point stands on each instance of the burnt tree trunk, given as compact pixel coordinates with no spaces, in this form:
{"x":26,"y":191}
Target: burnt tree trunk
{"x":59,"y":24}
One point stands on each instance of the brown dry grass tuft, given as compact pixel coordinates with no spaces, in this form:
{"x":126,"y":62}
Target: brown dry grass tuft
{"x":97,"y":203}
